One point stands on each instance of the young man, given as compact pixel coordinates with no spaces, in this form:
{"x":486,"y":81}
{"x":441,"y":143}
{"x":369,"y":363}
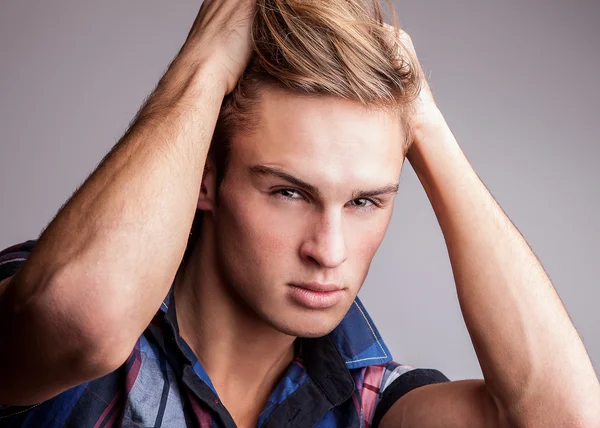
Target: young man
{"x":260,"y":325}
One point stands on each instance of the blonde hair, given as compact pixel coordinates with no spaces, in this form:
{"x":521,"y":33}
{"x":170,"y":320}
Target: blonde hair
{"x":333,"y":47}
{"x":319,"y":47}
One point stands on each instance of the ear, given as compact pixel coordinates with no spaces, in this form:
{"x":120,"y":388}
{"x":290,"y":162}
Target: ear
{"x":208,"y":190}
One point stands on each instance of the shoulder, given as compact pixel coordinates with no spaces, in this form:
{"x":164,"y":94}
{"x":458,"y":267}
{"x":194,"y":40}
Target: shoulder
{"x":381,"y":385}
{"x":11,"y":258}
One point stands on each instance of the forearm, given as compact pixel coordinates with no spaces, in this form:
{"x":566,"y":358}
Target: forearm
{"x":103,"y":265}
{"x":533,"y":360}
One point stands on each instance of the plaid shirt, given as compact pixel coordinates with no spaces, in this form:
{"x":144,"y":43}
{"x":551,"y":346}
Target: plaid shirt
{"x":344,"y":379}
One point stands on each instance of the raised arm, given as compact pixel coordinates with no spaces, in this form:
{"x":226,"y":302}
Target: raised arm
{"x":100,"y":270}
{"x":536,"y":370}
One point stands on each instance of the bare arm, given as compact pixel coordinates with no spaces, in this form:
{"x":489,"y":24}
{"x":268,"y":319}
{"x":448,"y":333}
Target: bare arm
{"x":102,"y":267}
{"x":537,"y":372}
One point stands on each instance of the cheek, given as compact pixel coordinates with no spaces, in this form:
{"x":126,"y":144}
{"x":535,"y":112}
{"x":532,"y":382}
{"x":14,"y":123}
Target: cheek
{"x":364,"y":240}
{"x":259,"y":231}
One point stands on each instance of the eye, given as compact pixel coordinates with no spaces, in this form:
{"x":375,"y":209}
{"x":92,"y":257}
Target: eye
{"x":287,"y":193}
{"x":364,"y":204}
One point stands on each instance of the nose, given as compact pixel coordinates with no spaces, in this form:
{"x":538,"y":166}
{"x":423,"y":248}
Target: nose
{"x":325,"y":244}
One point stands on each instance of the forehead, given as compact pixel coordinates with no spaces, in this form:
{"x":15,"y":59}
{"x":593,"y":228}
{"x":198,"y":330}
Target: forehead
{"x":324,"y":137}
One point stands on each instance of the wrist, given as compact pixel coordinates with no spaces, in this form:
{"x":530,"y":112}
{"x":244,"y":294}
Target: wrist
{"x":186,"y":85}
{"x":187,"y":75}
{"x":432,"y":139}
{"x":428,"y":120}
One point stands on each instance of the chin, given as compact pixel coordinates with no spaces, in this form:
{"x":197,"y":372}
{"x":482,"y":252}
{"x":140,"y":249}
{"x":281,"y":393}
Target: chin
{"x":305,"y":324}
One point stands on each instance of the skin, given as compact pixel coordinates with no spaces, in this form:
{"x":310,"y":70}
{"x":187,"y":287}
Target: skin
{"x":267,"y":232}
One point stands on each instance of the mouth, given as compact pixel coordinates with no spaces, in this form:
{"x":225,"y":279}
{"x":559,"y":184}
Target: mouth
{"x":315,"y":295}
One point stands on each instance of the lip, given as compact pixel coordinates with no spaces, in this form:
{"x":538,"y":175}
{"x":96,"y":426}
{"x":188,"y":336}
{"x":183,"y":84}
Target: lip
{"x":316,"y":299}
{"x":316,"y":286}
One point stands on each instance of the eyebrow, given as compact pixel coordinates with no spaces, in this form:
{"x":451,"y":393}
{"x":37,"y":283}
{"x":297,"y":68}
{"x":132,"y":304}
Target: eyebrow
{"x":356,"y":194}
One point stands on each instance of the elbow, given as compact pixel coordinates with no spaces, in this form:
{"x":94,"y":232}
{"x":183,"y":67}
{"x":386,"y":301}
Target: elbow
{"x":99,"y":342}
{"x":57,"y":340}
{"x":25,"y":385}
{"x":545,"y":408}
{"x":29,"y":378}
{"x":92,"y":317}
{"x":564,"y":417}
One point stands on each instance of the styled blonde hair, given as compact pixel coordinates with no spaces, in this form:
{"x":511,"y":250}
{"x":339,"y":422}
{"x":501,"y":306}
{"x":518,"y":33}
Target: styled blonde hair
{"x":319,"y":47}
{"x":323,"y":47}
{"x":333,"y":47}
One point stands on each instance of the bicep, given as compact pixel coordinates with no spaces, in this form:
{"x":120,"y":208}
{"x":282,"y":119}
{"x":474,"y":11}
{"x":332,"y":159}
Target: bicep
{"x":445,"y":405}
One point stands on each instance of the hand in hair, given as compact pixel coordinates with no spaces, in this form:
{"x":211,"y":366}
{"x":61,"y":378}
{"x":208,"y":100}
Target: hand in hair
{"x":425,"y":110}
{"x":220,"y":39}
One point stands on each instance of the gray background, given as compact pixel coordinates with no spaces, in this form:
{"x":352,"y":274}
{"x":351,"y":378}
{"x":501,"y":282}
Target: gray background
{"x":515,"y":80}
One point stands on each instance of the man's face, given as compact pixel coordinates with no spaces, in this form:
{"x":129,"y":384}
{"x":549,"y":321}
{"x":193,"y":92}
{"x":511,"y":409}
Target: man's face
{"x":307,"y":198}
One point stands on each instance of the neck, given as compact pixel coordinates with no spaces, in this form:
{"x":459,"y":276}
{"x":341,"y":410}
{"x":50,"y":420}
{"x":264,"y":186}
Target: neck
{"x":242,"y":354}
